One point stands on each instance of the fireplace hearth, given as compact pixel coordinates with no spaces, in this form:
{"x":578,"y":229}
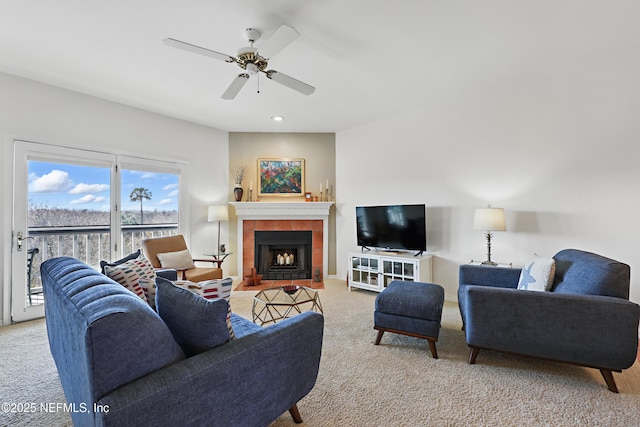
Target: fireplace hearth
{"x":283,"y":255}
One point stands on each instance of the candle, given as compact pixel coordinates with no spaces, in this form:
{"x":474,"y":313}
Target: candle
{"x":321,"y":186}
{"x":251,"y":185}
{"x":327,"y":185}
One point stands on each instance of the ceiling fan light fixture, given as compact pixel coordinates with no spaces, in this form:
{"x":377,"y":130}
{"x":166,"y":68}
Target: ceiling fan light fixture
{"x":252,"y":69}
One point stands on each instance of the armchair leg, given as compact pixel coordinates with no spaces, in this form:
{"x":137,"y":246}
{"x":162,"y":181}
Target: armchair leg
{"x":608,"y":378}
{"x":473,"y":354}
{"x":379,"y":337}
{"x":295,"y":414}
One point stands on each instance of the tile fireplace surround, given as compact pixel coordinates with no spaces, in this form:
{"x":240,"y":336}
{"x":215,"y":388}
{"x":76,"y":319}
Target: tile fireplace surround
{"x":274,"y":216}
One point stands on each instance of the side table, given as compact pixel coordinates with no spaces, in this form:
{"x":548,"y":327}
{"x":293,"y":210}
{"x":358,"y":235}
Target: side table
{"x":218,"y":258}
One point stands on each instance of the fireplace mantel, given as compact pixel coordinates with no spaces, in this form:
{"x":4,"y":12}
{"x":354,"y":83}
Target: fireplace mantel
{"x":284,"y":211}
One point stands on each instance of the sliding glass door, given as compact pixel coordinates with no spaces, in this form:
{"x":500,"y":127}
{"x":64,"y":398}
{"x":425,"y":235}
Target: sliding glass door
{"x":88,"y":205}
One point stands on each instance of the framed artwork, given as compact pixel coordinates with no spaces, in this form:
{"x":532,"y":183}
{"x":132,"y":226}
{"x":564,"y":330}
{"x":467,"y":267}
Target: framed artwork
{"x":280,"y":177}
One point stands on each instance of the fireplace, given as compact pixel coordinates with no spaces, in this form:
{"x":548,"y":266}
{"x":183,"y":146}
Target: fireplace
{"x":283,"y":216}
{"x":283,"y":255}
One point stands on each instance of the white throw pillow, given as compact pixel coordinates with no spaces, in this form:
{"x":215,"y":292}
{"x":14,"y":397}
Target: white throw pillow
{"x":538,"y":275}
{"x":180,"y":260}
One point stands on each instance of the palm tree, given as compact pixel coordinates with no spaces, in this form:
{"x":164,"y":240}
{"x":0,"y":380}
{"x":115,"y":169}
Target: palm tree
{"x":138,"y":195}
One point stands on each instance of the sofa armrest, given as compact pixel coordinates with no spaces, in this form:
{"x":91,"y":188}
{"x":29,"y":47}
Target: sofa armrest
{"x":589,"y":330}
{"x":250,"y":381}
{"x":480,"y":275}
{"x":499,"y":277}
{"x":167,"y":273}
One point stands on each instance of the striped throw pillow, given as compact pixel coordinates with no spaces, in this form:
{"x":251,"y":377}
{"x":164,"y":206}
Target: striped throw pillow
{"x":128,"y":274}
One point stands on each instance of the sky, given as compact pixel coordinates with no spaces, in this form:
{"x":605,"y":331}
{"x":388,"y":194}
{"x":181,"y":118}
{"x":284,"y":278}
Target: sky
{"x":87,"y":187}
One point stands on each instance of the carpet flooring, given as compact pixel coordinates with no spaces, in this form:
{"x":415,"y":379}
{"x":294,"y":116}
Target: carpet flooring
{"x":394,"y":384}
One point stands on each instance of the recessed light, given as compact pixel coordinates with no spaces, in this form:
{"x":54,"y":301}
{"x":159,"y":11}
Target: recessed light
{"x":277,"y":118}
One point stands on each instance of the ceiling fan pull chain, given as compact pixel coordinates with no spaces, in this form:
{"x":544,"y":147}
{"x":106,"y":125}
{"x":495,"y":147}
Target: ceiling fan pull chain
{"x":258,"y":80}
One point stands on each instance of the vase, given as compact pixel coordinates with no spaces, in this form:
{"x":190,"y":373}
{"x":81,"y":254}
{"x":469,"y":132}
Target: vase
{"x":237,"y":192}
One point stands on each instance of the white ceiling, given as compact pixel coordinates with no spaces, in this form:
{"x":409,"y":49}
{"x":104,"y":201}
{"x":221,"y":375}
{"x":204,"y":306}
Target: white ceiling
{"x":367,"y":58}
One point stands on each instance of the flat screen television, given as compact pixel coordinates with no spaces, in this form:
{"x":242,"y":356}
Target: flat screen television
{"x":393,"y":227}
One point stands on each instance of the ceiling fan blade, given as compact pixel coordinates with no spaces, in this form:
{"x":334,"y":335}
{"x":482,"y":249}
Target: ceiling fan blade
{"x":290,"y":82}
{"x":199,"y":50}
{"x":278,"y":41}
{"x":235,"y":86}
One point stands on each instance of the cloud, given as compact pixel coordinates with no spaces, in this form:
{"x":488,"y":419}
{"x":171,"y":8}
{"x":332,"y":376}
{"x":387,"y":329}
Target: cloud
{"x":170,"y":187}
{"x":165,"y":202}
{"x":174,"y":193}
{"x":52,"y":182}
{"x":89,"y":198}
{"x":83,"y":188}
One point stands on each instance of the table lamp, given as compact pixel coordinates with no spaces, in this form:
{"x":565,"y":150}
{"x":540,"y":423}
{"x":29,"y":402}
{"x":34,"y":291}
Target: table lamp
{"x":489,"y":219}
{"x":218,"y":213}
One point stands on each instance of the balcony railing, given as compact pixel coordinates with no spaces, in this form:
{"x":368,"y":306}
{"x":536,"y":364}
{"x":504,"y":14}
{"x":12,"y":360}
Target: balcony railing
{"x":90,"y":244}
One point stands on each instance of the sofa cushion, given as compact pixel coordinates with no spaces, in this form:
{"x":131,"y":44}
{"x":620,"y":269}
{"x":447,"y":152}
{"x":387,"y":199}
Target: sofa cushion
{"x":212,"y":290}
{"x":537,"y":275}
{"x":180,"y":260}
{"x":129,"y":273}
{"x":197,"y":324}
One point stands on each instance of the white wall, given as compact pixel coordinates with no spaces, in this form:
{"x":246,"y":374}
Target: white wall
{"x":558,"y":153}
{"x":47,"y":114}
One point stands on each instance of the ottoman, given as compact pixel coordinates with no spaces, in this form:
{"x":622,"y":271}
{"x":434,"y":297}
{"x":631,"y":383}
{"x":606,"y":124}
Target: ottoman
{"x":410,"y":308}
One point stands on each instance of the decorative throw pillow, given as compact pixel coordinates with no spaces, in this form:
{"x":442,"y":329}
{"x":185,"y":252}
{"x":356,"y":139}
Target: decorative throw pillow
{"x":211,"y":290}
{"x":196,"y":324}
{"x":180,"y":260}
{"x":129,"y":257}
{"x":538,"y":275}
{"x":129,"y":273}
{"x":149,"y":288}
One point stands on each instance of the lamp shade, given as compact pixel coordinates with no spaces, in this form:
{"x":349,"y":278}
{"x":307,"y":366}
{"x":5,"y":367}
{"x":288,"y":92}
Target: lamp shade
{"x":489,"y":219}
{"x":218,"y":213}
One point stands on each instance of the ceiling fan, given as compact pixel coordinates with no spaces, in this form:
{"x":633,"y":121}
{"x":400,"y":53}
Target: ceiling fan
{"x":253,"y":60}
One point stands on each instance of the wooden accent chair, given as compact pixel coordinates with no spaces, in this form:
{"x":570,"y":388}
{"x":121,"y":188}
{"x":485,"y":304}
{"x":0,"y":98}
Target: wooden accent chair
{"x":162,"y":245}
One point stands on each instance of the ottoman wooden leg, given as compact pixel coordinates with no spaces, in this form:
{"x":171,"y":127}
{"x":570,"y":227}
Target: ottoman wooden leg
{"x":432,"y":347}
{"x":379,"y":337}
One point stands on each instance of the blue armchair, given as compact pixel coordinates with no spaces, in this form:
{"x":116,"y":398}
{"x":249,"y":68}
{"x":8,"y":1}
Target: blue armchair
{"x":120,"y":365}
{"x":586,"y":319}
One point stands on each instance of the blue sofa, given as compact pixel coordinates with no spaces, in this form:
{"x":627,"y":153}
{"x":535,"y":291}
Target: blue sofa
{"x":586,"y":318}
{"x":120,"y":365}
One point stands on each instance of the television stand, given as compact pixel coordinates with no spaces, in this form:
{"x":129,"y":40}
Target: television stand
{"x":374,"y":271}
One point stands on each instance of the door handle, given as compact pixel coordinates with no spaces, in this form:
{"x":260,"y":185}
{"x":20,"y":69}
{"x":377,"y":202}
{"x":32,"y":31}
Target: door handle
{"x":20,"y":239}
